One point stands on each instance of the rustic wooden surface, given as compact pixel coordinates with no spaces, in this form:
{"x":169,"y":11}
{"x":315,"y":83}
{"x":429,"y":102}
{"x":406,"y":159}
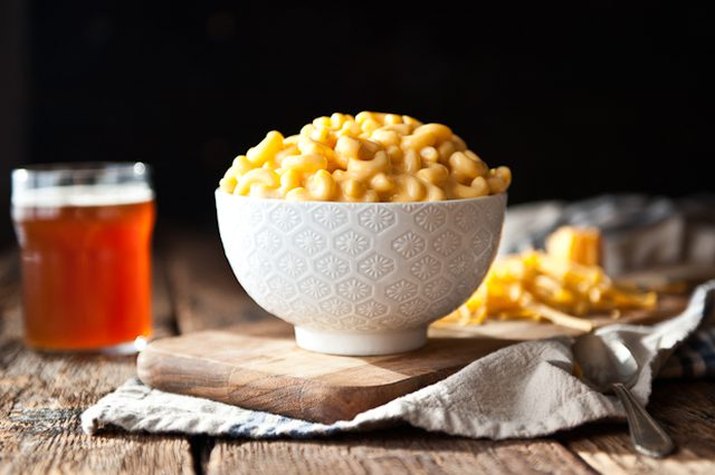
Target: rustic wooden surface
{"x":41,"y":397}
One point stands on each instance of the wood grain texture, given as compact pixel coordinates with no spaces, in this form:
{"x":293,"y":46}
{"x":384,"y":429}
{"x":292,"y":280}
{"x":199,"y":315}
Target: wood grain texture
{"x":205,"y":292}
{"x":272,"y":374}
{"x":163,"y":321}
{"x":686,"y":411}
{"x":10,"y":323}
{"x":43,"y":395}
{"x":397,"y":451}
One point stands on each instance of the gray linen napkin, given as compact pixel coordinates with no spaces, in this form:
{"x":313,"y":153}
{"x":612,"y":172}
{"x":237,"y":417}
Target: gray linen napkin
{"x":640,"y":232}
{"x":524,"y":390}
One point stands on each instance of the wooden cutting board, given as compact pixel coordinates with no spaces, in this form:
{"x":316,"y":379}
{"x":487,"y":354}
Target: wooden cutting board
{"x":265,"y":370}
{"x":272,"y":374}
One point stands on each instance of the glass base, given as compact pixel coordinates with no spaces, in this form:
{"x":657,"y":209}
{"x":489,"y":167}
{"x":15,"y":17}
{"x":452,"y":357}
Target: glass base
{"x":125,"y":348}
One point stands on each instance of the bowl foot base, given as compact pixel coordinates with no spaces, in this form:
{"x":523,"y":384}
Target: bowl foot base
{"x":360,"y":344}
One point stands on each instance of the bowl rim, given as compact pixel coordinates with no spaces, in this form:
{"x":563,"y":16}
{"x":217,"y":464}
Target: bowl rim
{"x":220,"y":192}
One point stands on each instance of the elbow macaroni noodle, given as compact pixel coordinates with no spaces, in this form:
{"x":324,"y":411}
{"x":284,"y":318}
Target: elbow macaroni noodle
{"x":369,"y":157}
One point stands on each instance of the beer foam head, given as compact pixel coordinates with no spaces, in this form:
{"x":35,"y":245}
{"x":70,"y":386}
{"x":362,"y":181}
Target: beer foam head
{"x":83,"y":195}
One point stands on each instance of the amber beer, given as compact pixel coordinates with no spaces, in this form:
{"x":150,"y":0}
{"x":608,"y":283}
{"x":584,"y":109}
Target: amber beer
{"x":86,"y":262}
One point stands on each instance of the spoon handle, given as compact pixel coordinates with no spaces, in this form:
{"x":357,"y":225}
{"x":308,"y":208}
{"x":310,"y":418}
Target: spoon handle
{"x":647,"y":435}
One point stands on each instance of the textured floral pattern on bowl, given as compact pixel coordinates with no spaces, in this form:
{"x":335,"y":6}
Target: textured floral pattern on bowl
{"x":360,"y":278}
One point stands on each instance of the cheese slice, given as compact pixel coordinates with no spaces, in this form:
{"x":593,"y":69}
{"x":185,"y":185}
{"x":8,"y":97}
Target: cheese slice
{"x":575,"y":244}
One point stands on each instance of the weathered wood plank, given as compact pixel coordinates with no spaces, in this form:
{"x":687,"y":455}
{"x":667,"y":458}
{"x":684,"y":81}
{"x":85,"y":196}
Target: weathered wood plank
{"x":205,"y":292}
{"x":9,"y":295}
{"x":398,"y":451}
{"x":42,"y":397}
{"x":687,"y":412}
{"x":164,"y":322}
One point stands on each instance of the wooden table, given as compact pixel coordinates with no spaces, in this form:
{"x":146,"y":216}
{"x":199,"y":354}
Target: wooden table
{"x":42,"y":397}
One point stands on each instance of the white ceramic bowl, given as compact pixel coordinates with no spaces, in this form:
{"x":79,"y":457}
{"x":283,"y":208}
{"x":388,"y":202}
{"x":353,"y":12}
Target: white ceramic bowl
{"x":360,"y":278}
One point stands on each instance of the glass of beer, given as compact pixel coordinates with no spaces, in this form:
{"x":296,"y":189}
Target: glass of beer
{"x":84,"y":232}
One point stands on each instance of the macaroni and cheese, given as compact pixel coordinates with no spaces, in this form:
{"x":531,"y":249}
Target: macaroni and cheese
{"x":369,"y":157}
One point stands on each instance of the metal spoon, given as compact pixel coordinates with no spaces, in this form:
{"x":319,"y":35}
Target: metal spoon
{"x":611,"y":367}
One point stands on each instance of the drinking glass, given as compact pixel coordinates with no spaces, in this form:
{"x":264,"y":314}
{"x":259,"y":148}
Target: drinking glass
{"x":84,"y":232}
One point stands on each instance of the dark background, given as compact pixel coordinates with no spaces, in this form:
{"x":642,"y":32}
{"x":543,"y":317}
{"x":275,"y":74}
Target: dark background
{"x":578,"y":99}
